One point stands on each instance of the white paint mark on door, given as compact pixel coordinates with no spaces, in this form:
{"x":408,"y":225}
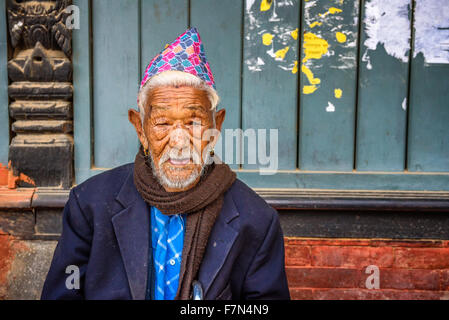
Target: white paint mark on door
{"x":432,"y":30}
{"x":387,"y":23}
{"x":255,"y":64}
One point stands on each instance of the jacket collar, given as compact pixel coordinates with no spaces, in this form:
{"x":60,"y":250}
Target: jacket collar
{"x":132,"y":229}
{"x":220,"y":243}
{"x":128,"y":193}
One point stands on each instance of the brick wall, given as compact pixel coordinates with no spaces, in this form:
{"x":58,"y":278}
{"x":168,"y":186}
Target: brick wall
{"x":3,"y":175}
{"x":336,"y":268}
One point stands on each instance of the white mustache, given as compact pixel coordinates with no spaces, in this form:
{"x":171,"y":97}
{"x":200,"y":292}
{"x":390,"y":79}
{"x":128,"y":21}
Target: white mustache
{"x":185,"y":154}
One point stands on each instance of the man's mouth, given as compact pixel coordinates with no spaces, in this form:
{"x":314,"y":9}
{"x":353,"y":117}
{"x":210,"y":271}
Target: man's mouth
{"x":179,"y":162}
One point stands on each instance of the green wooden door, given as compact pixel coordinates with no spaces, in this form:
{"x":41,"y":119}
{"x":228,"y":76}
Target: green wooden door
{"x":355,"y":91}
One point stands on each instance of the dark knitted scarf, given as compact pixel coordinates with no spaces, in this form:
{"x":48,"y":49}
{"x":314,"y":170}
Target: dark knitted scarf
{"x":202,"y":204}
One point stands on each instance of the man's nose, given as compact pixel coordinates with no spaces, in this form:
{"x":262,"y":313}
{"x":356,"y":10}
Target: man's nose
{"x":179,"y":138}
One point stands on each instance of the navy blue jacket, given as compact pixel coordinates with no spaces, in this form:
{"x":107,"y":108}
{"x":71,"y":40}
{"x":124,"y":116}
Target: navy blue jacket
{"x":106,"y":234}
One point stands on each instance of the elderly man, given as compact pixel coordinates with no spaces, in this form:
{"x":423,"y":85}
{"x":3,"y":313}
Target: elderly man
{"x":175,"y":218}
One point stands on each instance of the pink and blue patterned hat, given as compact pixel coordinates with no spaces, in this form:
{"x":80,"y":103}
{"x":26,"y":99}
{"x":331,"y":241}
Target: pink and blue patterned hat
{"x":185,"y":54}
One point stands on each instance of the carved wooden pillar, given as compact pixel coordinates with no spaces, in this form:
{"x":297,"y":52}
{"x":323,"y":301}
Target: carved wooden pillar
{"x":41,"y":93}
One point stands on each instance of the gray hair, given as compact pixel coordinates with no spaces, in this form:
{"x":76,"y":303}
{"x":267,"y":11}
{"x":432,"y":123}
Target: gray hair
{"x":176,"y":78}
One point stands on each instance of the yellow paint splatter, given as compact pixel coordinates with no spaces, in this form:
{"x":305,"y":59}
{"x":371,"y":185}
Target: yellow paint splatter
{"x":309,"y":89}
{"x":314,"y":24}
{"x":314,"y":48}
{"x":265,"y":5}
{"x":332,"y":10}
{"x":280,"y":54}
{"x":309,"y":75}
{"x":295,"y":68}
{"x":267,"y":39}
{"x":294,"y":34}
{"x":338,"y":93}
{"x":341,"y":37}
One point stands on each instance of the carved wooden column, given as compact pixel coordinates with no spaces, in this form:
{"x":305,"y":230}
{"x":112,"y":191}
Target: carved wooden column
{"x":41,"y":93}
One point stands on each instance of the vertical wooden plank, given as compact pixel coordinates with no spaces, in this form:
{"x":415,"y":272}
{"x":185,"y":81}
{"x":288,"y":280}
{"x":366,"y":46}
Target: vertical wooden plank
{"x":383,"y":85}
{"x":269,"y":88}
{"x":82,"y":93}
{"x":328,"y":84}
{"x":115,"y":81}
{"x":428,"y":135}
{"x":4,"y":115}
{"x":162,"y":22}
{"x":219,"y":24}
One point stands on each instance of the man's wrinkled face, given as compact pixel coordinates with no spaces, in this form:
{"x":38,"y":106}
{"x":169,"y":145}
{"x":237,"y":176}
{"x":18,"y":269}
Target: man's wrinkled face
{"x":174,"y":130}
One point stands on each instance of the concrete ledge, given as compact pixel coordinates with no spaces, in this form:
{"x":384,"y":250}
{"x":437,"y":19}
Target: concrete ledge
{"x":36,"y":213}
{"x":49,"y":198}
{"x":22,"y":198}
{"x":309,"y":199}
{"x":16,"y":198}
{"x":32,"y":213}
{"x":280,"y":199}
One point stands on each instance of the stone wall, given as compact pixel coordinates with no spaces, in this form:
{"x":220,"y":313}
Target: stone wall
{"x":23,"y":267}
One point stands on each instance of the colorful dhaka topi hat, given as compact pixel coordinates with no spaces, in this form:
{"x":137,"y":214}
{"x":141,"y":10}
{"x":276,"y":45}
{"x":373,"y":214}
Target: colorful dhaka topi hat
{"x":185,"y":54}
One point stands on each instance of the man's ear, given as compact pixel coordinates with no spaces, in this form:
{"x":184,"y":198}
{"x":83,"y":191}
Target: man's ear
{"x":136,"y":121}
{"x":219,"y":118}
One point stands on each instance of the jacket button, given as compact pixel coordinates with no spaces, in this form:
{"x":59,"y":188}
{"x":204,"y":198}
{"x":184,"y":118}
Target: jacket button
{"x":172,"y":262}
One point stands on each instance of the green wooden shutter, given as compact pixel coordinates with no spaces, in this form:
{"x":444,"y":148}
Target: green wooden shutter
{"x":357,"y":100}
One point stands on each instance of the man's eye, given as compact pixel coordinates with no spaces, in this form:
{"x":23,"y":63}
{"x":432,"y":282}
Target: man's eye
{"x":195,"y":123}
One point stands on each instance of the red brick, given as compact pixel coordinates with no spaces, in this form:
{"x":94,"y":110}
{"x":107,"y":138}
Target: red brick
{"x":301,"y":294}
{"x":444,"y":278}
{"x":16,"y":198}
{"x":326,"y":242}
{"x":348,"y":294}
{"x":297,"y":255}
{"x":418,"y":279}
{"x":349,"y":257}
{"x":415,"y":279}
{"x":409,"y":243}
{"x":366,"y":294}
{"x":422,"y":258}
{"x":365,"y":242}
{"x":325,"y":277}
{"x":3,"y":175}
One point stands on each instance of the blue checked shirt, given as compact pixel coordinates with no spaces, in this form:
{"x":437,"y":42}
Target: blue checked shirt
{"x":167,"y":241}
